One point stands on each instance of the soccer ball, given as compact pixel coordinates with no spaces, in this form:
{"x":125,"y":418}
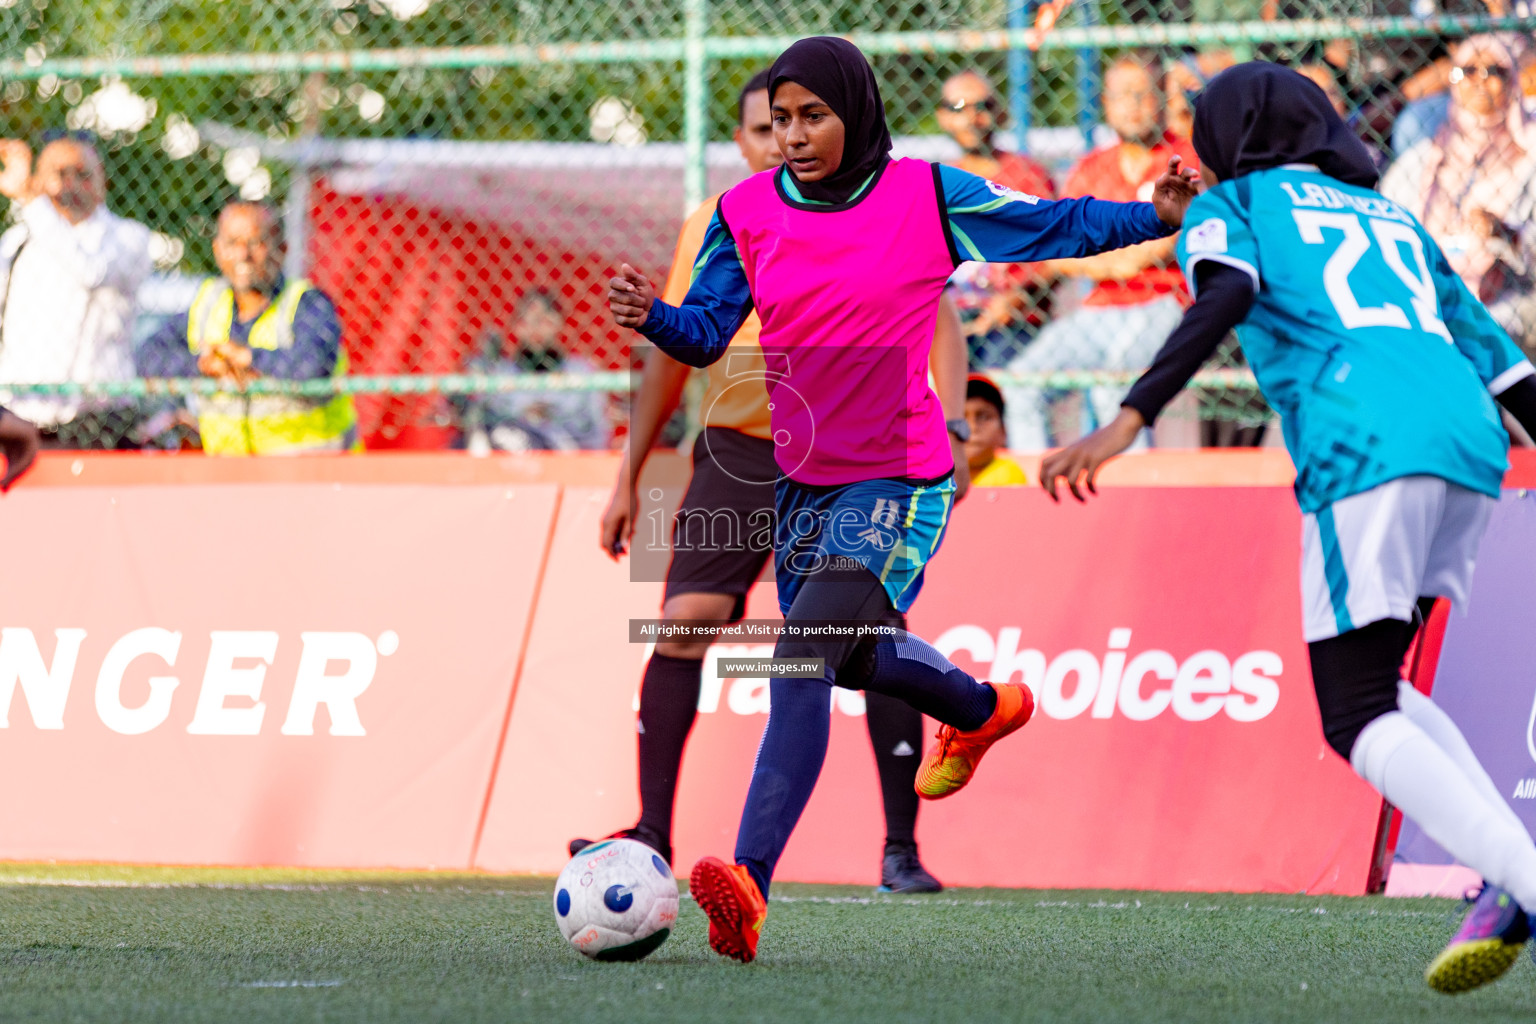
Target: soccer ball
{"x":616,"y":900}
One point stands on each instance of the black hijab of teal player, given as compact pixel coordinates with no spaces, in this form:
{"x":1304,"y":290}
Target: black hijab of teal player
{"x":837,"y":71}
{"x":1259,"y":115}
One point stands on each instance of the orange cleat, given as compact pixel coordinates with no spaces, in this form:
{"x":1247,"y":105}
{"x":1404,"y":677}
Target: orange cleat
{"x":952,"y":763}
{"x":736,"y":910}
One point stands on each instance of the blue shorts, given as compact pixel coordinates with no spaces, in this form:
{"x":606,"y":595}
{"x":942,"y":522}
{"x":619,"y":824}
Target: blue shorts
{"x":890,"y":527}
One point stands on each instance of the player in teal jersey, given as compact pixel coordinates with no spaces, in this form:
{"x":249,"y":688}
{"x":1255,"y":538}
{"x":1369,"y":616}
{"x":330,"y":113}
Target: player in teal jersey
{"x":1384,"y":371}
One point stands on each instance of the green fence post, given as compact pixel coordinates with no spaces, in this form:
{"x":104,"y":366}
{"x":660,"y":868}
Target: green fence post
{"x":695,"y":102}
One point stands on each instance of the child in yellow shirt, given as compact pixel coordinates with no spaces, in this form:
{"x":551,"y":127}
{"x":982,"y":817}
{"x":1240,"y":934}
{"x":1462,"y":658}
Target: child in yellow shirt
{"x":984,"y":413}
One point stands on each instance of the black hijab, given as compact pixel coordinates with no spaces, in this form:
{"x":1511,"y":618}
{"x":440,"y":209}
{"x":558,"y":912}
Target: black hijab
{"x":836,"y":71}
{"x":1259,"y":115}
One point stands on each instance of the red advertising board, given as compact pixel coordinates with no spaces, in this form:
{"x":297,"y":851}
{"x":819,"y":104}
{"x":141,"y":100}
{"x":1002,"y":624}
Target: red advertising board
{"x":1177,"y":744}
{"x":421,"y":661}
{"x":304,"y":674}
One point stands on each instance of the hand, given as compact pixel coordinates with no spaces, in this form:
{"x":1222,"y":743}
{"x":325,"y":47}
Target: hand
{"x":16,"y":177}
{"x":211,"y":363}
{"x":1483,"y":224}
{"x":19,"y":443}
{"x":1174,"y":190}
{"x":618,"y":529}
{"x":962,"y":468}
{"x":1087,"y":455}
{"x":630,"y":296}
{"x":227,"y":362}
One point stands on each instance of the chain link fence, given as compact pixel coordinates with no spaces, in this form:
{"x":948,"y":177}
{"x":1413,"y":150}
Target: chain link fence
{"x":459,"y":178}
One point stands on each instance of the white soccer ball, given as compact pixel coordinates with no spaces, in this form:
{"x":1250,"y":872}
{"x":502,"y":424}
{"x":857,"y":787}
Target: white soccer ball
{"x":616,"y":900}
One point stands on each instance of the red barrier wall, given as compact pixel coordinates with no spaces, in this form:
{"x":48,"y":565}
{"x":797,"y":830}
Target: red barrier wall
{"x":1223,"y":790}
{"x":457,"y":612}
{"x":182,"y":726}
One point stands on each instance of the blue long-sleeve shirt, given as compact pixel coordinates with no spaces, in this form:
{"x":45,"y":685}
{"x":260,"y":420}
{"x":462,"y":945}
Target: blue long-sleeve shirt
{"x":313,"y":354}
{"x":984,"y":221}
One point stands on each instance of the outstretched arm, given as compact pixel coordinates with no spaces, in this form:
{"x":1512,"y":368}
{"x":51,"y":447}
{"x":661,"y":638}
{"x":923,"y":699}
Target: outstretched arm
{"x":1225,"y":296}
{"x":718,"y":303}
{"x":989,"y":223}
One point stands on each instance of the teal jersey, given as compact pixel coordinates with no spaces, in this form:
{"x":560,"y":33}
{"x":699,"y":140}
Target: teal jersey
{"x":1379,"y":361}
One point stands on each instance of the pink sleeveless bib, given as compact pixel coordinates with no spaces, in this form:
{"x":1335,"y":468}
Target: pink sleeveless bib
{"x":848,"y":298}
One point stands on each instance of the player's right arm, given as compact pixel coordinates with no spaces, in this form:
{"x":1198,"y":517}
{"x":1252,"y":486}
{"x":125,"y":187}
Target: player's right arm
{"x":659,"y":394}
{"x":1501,"y":366}
{"x":657,"y":398}
{"x":718,"y":302}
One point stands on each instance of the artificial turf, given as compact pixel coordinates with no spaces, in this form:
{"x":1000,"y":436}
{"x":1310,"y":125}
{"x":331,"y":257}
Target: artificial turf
{"x":104,"y":943}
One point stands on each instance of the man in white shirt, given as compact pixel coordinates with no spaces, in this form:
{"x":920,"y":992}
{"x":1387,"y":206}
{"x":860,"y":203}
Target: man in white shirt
{"x":69,"y":274}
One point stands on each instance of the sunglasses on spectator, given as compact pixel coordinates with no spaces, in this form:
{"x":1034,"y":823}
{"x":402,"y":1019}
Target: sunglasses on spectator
{"x":60,"y":134}
{"x":961,"y":106}
{"x":1480,"y":72}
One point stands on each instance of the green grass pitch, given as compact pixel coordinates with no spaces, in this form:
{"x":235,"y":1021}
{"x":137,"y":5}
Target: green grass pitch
{"x":164,"y":945}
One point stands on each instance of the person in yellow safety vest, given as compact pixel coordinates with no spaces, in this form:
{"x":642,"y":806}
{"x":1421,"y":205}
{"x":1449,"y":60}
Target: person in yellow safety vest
{"x":252,"y":322}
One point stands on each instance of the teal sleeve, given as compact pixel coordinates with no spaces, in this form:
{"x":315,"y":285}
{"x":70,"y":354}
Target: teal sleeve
{"x":1476,"y":335}
{"x":1217,"y":230}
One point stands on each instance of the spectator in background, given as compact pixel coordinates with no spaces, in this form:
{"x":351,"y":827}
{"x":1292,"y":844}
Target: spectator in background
{"x":69,"y":273}
{"x":1323,"y":76}
{"x":1327,"y":80}
{"x":1473,"y":184}
{"x":984,"y":413}
{"x":1001,"y":304}
{"x":534,"y":420}
{"x":1203,"y":12}
{"x":1427,"y":92}
{"x":252,"y":322}
{"x":1138,"y":294}
{"x":1183,"y":82}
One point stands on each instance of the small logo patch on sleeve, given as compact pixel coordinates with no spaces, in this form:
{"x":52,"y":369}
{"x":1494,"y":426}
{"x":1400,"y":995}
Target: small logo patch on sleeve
{"x":1012,"y":195}
{"x":1207,"y":236}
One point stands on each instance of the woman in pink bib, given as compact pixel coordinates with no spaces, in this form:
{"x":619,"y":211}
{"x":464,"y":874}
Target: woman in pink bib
{"x":844,"y":252}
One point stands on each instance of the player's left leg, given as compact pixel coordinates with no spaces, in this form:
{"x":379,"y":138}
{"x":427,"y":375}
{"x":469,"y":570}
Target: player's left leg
{"x":1374,"y":720}
{"x":1362,"y":555}
{"x":794,"y":744}
{"x":823,"y":582}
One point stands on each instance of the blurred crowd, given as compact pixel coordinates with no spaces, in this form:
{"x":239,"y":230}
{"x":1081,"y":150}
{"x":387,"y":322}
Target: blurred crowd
{"x":1455,"y":140}
{"x":1454,"y":134}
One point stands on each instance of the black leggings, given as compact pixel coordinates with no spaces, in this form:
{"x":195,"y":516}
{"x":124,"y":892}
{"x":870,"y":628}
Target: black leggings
{"x":843,"y":595}
{"x":1356,"y":674}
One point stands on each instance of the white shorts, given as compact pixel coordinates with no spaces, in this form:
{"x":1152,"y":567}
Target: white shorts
{"x":1372,"y":555}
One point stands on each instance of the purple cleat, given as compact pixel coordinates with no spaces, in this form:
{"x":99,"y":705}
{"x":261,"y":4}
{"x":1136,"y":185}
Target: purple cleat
{"x":1487,"y":945}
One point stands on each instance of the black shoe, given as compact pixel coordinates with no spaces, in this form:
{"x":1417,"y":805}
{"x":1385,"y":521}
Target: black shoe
{"x":665,"y":849}
{"x":901,"y":871}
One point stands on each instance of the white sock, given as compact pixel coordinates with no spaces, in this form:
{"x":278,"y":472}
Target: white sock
{"x":1407,"y":767}
{"x":1437,"y":725}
